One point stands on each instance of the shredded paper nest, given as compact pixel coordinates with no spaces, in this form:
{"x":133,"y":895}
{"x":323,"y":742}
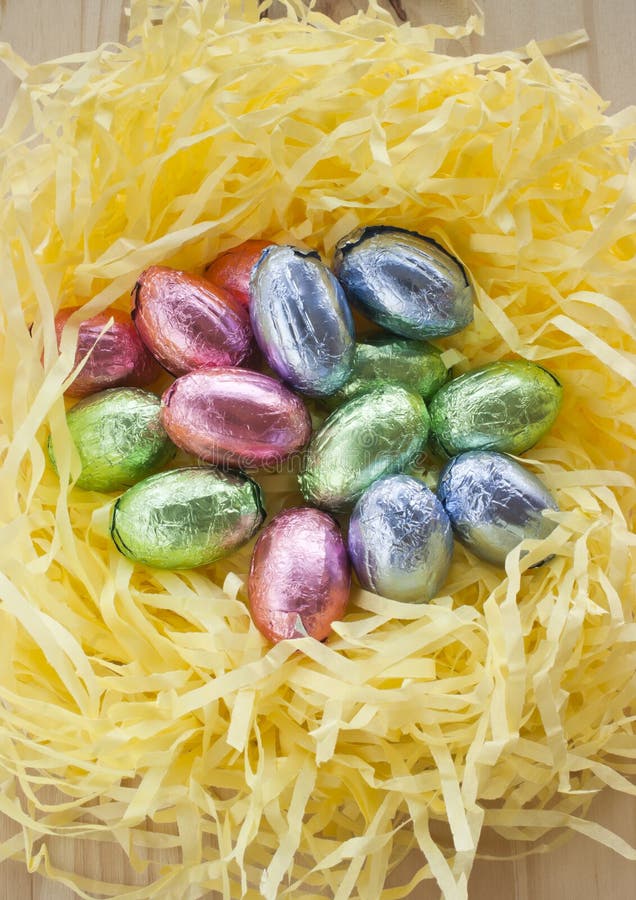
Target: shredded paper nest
{"x":142,"y":707}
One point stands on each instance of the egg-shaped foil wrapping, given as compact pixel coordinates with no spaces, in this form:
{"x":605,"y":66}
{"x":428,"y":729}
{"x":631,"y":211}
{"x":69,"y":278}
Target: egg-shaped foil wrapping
{"x":400,"y":540}
{"x":115,"y":358}
{"x":506,"y":406}
{"x":301,"y":320}
{"x":119,"y":438}
{"x":403,"y":281}
{"x":299,"y":577}
{"x":417,"y":365}
{"x":188,"y":323}
{"x":235,"y":417}
{"x":184,"y":518}
{"x":376,"y":433}
{"x":494,"y":503}
{"x":232,"y":270}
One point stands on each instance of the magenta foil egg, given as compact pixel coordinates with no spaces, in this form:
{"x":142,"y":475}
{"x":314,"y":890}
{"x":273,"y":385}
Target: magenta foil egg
{"x":235,"y":417}
{"x":188,"y":323}
{"x":299,"y":577}
{"x":116,"y":355}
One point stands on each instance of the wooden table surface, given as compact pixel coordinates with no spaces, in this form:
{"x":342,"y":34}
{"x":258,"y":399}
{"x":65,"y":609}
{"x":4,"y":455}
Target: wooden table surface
{"x":39,"y":29}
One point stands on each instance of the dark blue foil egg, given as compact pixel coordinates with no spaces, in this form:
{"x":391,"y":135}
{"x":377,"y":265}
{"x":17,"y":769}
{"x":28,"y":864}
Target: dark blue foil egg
{"x":403,"y":281}
{"x":400,"y":540}
{"x":494,"y":503}
{"x":301,"y":320}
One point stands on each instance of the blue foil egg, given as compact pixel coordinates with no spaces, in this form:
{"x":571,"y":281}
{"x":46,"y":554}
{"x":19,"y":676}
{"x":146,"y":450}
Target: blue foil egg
{"x":494,"y":503}
{"x":301,"y":320}
{"x":403,"y":281}
{"x":400,"y":540}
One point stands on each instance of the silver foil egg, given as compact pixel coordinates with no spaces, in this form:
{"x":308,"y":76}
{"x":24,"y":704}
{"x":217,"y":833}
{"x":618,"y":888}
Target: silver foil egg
{"x":301,"y":320}
{"x":494,"y":503}
{"x":400,"y":540}
{"x":403,"y":281}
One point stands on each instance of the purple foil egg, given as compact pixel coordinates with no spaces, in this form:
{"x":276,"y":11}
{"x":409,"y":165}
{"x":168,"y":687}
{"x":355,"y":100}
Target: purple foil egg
{"x":235,"y":417}
{"x":188,"y":323}
{"x":299,"y":577}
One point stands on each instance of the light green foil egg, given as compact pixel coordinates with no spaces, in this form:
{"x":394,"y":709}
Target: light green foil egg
{"x":505,"y":406}
{"x":119,"y":437}
{"x":186,"y":518}
{"x":376,"y":433}
{"x":416,"y":365}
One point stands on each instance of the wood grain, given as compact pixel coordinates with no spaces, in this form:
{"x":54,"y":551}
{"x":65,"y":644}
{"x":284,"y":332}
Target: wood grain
{"x":40,"y":29}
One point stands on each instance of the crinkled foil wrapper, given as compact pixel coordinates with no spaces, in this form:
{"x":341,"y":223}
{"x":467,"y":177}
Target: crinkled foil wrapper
{"x":187,"y":517}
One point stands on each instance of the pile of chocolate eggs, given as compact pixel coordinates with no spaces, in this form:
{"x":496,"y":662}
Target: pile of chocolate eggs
{"x":390,"y":397}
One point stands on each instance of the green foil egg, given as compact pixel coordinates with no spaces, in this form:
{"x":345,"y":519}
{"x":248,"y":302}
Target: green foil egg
{"x":119,"y":437}
{"x":416,"y":365}
{"x":186,"y":518}
{"x":376,"y":433}
{"x":506,"y":406}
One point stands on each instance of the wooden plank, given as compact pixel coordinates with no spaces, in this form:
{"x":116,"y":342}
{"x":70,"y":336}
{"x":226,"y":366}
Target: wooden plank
{"x":40,"y":30}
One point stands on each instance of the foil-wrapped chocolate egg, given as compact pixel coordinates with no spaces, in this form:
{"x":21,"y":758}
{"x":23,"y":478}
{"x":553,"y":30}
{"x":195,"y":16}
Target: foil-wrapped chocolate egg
{"x":115,"y":358}
{"x":299,"y":577}
{"x":400,"y":540}
{"x":232,"y":270}
{"x":119,"y":438}
{"x":235,"y":417}
{"x":417,"y":365}
{"x":494,"y":503}
{"x":376,"y":433}
{"x":403,"y":281}
{"x":188,"y":323}
{"x":506,"y":406}
{"x":184,"y":518}
{"x":301,"y":320}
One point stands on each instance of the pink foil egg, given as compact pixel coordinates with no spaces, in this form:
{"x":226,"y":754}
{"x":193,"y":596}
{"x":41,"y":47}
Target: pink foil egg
{"x":116,"y":358}
{"x":188,"y":323}
{"x":299,"y":576}
{"x":235,"y":417}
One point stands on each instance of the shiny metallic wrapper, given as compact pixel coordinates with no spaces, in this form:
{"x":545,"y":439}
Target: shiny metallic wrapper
{"x":119,"y":437}
{"x":400,"y":540}
{"x":301,"y":320}
{"x":416,"y":365}
{"x":232,"y":270}
{"x":403,"y":281}
{"x":376,"y":433}
{"x":235,"y":417}
{"x":188,"y":323}
{"x":494,"y":503}
{"x":186,"y":518}
{"x":506,"y":406}
{"x":115,"y":358}
{"x":299,"y":577}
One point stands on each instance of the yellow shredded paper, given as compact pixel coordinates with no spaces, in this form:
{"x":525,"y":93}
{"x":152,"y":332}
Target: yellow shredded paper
{"x":142,"y":708}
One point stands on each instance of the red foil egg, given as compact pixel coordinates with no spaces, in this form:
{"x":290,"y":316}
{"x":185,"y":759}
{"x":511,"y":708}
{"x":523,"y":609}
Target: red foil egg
{"x":299,"y":577}
{"x":188,"y":323}
{"x":232,"y":269}
{"x":235,"y":417}
{"x":116,"y":358}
